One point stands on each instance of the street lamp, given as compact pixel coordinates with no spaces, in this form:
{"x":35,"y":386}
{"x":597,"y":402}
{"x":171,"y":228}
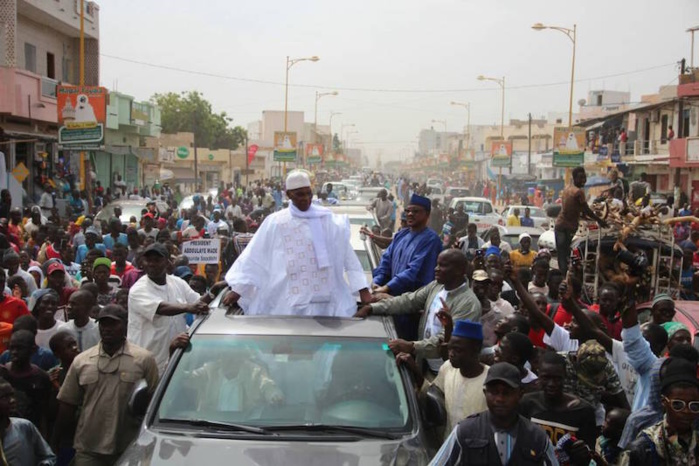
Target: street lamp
{"x":467,"y":106}
{"x":501,"y":83}
{"x":692,"y":31}
{"x":289,"y":63}
{"x":572,"y":35}
{"x":319,"y":95}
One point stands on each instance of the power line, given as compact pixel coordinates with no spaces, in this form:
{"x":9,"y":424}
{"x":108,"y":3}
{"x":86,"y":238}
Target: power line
{"x":363,"y":89}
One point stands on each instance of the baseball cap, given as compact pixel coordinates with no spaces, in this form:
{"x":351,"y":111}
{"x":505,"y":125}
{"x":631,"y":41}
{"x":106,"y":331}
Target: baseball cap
{"x":524,"y":235}
{"x":113,"y":311}
{"x":56,"y":266}
{"x":183,"y":272}
{"x":148,"y":215}
{"x":157,"y":249}
{"x":504,"y":372}
{"x":480,"y":275}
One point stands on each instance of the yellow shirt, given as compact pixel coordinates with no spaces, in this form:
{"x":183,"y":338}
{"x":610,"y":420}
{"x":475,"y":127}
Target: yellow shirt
{"x":513,"y":221}
{"x":522,"y":260}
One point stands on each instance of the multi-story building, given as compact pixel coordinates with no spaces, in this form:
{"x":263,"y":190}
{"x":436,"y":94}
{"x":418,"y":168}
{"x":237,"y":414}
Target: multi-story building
{"x":39,"y":48}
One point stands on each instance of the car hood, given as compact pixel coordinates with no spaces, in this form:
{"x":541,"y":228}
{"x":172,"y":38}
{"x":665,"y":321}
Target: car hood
{"x":174,"y":450}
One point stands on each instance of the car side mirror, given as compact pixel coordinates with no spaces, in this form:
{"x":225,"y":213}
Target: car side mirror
{"x":434,"y":408}
{"x":139,"y":399}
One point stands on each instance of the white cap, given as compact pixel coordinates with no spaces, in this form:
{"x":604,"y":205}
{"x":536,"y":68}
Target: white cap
{"x":297,"y":179}
{"x":524,"y":235}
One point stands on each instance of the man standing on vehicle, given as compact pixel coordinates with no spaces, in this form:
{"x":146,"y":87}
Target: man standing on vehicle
{"x":524,"y":256}
{"x":158,"y":302}
{"x":409,"y":262}
{"x":513,"y":219}
{"x":573,"y":207}
{"x":99,"y":383}
{"x":382,"y":208}
{"x":295,"y":263}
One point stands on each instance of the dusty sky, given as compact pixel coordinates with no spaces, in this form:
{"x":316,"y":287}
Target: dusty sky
{"x":369,"y":48}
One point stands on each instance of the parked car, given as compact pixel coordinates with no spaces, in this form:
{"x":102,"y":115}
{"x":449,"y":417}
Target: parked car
{"x":479,"y":209}
{"x":536,"y":213}
{"x":511,"y":235}
{"x":436,"y":192}
{"x":434,"y":182}
{"x":455,"y":191}
{"x":325,"y":391}
{"x":128,"y":209}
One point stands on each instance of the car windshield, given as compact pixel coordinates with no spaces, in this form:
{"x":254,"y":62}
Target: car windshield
{"x":533,"y":212}
{"x":457,"y":192}
{"x":475,"y":207}
{"x":368,"y":221}
{"x":363,"y":257}
{"x":271,"y":381}
{"x":367,"y":195}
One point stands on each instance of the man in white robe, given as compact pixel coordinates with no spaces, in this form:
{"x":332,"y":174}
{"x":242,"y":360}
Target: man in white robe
{"x":297,"y":261}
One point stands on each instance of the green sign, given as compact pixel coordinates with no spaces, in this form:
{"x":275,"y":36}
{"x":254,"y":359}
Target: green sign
{"x":182,"y":152}
{"x":285,"y":156}
{"x":568,"y":160}
{"x":500,"y":162}
{"x":211,"y":156}
{"x":90,"y":135}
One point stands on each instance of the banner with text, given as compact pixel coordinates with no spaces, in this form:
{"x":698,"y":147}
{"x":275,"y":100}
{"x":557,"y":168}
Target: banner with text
{"x":569,"y":147}
{"x":202,"y":251}
{"x":314,"y":153}
{"x":82,"y":114}
{"x":285,"y":146}
{"x":501,"y":154}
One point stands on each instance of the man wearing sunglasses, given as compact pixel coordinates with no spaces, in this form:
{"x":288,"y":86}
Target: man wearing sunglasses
{"x":672,"y":441}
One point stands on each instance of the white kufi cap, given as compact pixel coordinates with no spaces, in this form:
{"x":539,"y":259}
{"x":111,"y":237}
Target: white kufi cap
{"x":297,"y":179}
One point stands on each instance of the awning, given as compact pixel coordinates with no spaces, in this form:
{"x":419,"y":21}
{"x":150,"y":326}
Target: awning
{"x":119,"y":150}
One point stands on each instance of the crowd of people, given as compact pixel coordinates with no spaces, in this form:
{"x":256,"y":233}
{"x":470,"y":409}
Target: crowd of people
{"x":531,"y":370}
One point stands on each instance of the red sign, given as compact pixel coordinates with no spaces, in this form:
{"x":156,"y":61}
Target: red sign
{"x":252,"y":150}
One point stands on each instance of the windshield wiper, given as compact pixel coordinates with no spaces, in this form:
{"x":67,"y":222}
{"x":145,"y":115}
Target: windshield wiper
{"x":363,"y":431}
{"x":219,"y":425}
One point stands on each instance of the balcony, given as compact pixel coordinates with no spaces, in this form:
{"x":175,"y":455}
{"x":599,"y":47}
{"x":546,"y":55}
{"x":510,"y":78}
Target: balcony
{"x":24,"y":94}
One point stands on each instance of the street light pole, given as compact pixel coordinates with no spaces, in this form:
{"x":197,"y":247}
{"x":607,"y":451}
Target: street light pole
{"x":691,"y":58}
{"x":289,"y":63}
{"x":501,"y":83}
{"x":315,"y":118}
{"x":467,"y":106}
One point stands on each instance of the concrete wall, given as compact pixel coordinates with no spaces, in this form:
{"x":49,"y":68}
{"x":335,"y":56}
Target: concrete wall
{"x":64,"y":49}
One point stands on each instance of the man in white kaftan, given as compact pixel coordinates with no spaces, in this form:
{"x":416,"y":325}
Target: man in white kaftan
{"x":297,"y":261}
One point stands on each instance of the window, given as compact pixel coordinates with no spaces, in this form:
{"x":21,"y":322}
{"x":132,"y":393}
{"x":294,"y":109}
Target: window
{"x":663,"y":129}
{"x":29,"y":57}
{"x":599,"y":100}
{"x":685,"y":122}
{"x":50,"y":65}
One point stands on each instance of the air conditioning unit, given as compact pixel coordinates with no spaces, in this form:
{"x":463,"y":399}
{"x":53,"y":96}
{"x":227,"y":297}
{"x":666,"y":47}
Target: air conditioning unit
{"x":655,"y":117}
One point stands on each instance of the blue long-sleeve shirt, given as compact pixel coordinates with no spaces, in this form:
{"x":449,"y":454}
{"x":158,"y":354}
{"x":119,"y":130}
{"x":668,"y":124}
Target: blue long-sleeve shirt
{"x":409,"y":261}
{"x":642,"y":359}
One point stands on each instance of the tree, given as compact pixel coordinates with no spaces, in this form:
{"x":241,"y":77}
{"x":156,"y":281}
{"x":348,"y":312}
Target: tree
{"x":190,"y":111}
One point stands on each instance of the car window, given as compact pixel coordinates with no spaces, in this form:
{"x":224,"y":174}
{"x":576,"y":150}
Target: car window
{"x":272,"y":381}
{"x":475,"y":207}
{"x":368,"y":221}
{"x":455,"y":192}
{"x":363,"y":257}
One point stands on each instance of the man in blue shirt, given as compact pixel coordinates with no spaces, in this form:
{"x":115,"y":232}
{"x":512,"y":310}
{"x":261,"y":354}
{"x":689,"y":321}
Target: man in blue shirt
{"x":526,"y":221}
{"x":409,"y":261}
{"x":115,"y":235}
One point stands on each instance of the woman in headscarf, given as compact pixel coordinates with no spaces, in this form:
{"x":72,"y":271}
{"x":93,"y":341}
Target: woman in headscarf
{"x":38,"y":275}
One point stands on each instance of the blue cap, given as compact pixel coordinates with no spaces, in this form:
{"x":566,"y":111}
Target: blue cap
{"x":183,"y":272}
{"x":468,"y":329}
{"x":492,"y":250}
{"x":421,"y":201}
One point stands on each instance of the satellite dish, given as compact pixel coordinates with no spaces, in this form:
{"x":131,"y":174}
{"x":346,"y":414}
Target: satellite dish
{"x":582,"y":102}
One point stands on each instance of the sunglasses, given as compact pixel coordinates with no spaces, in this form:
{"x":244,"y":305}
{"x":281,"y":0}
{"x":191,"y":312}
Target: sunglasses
{"x":680,"y":405}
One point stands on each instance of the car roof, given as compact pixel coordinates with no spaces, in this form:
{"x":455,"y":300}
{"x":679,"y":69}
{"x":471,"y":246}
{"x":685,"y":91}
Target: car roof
{"x":520,"y":230}
{"x":522,"y":207}
{"x":478,"y":199}
{"x":222,"y":322}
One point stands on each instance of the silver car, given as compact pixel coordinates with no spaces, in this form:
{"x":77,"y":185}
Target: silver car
{"x":291,"y":390}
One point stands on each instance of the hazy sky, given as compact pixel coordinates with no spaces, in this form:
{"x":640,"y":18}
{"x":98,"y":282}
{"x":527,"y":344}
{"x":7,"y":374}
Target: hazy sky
{"x":439,"y":46}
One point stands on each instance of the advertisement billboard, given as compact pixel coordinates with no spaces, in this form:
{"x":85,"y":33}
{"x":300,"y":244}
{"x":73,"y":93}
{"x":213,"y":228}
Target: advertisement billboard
{"x":82,"y":114}
{"x":285,"y":146}
{"x":314,"y":153}
{"x":501,"y":154}
{"x":569,"y":147}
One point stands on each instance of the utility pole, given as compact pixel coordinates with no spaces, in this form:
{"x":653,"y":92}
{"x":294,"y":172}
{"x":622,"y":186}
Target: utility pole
{"x":196,"y":157}
{"x":529,"y":154}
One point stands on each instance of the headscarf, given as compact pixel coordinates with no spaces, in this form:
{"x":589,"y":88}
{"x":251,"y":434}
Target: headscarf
{"x":38,"y":295}
{"x":650,"y":414}
{"x":36,"y":268}
{"x":673,"y":327}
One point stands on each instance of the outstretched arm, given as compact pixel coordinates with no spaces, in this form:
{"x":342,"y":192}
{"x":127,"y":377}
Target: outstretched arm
{"x":534,"y":313}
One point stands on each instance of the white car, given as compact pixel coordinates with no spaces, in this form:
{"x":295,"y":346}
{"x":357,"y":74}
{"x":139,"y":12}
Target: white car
{"x":536,"y":213}
{"x":480,"y":211}
{"x":341,"y":190}
{"x":434,"y":182}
